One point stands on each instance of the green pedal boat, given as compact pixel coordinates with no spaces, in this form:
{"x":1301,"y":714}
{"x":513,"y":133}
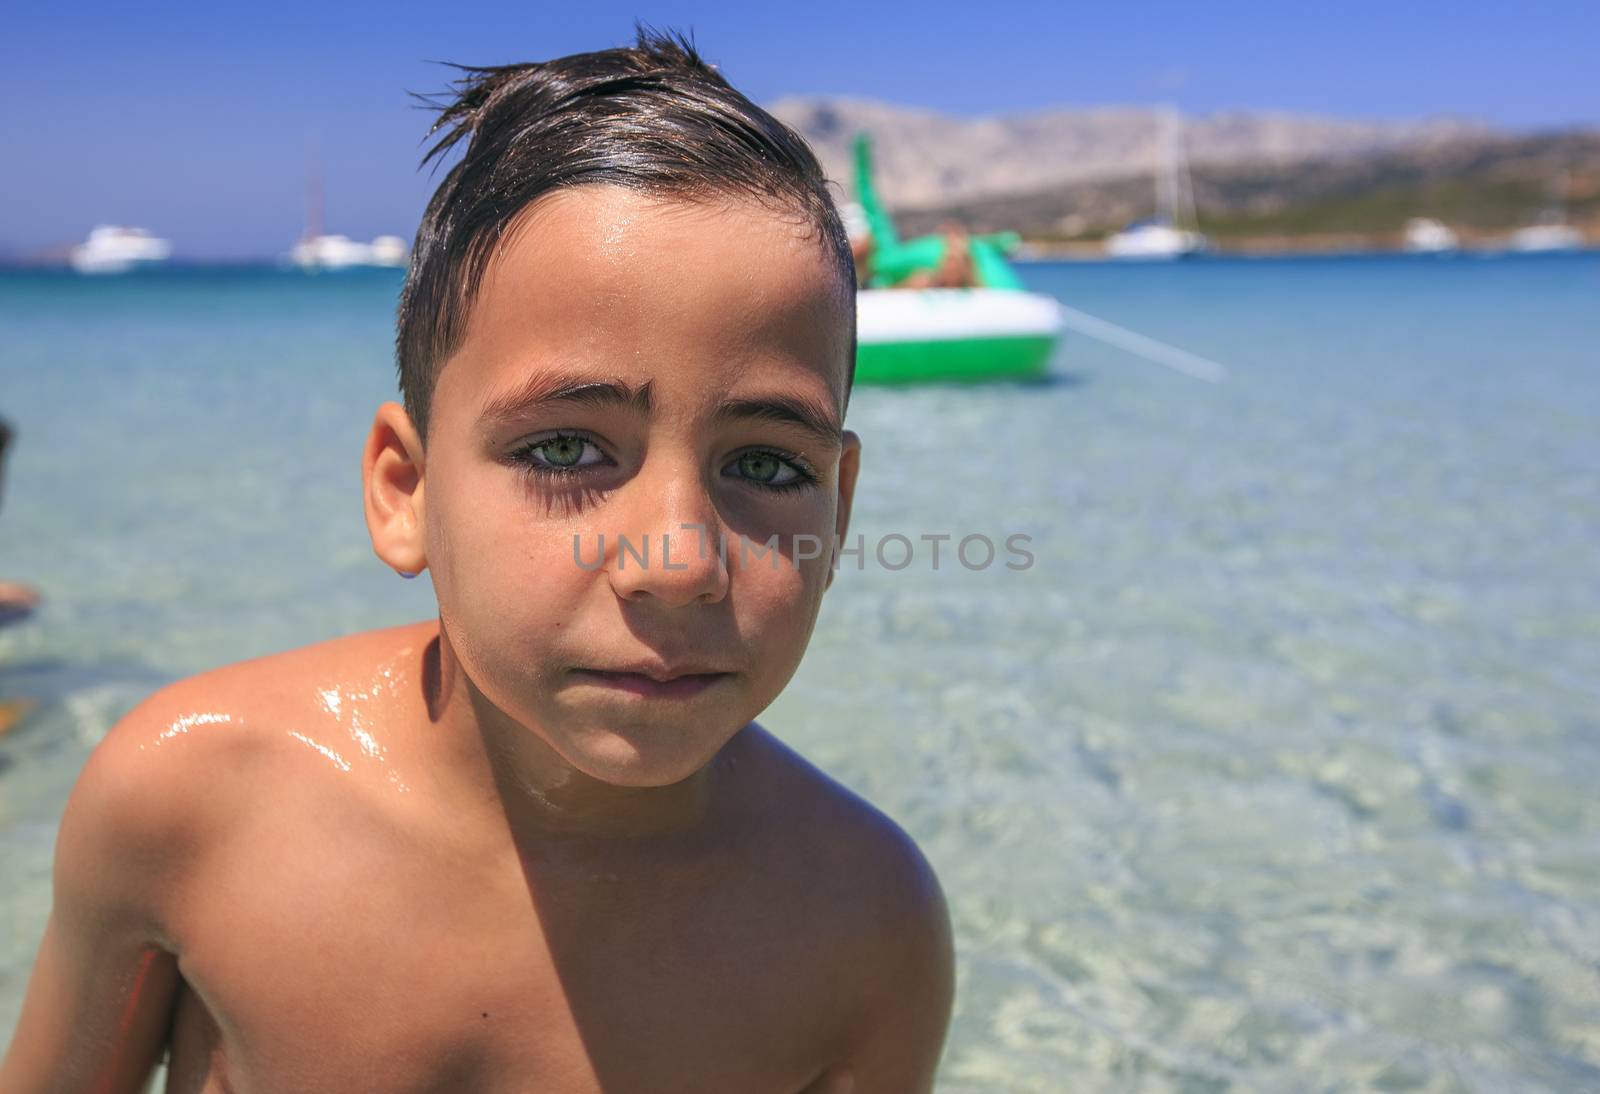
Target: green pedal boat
{"x":998,"y":331}
{"x":908,"y":336}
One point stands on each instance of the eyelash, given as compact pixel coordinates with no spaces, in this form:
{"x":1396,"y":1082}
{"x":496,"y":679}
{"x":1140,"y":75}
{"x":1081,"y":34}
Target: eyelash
{"x":526,"y":460}
{"x":525,"y":457}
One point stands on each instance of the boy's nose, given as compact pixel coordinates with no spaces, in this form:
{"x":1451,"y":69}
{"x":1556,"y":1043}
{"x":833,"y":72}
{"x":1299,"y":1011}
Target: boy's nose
{"x":672,"y":552}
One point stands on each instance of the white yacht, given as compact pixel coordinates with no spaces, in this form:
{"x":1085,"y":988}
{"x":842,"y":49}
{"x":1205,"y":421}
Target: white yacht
{"x":1424,"y":235}
{"x":340,"y":252}
{"x":1157,"y":238}
{"x":390,"y":251}
{"x":321,"y":251}
{"x":328,"y":252}
{"x":112,"y":249}
{"x":1552,"y":232}
{"x":1546,"y":237}
{"x":1171,"y":233}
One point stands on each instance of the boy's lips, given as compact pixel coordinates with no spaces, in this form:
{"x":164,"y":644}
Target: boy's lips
{"x":653,"y":680}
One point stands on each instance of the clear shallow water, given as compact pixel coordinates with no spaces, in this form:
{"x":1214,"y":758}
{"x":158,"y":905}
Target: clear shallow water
{"x":1274,"y":772}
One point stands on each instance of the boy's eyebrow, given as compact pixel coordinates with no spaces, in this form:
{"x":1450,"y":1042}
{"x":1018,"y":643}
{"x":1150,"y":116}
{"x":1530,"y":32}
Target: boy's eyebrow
{"x":543,"y":389}
{"x":795,"y":410}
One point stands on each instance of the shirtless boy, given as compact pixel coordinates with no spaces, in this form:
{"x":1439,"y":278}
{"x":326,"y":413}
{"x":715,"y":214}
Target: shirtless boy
{"x":536,"y":844}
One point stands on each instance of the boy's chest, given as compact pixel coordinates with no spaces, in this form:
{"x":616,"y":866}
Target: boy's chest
{"x":351,"y":969}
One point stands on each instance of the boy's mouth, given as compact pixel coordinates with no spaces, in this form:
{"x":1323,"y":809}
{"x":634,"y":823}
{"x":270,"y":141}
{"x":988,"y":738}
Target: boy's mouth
{"x":651,"y":683}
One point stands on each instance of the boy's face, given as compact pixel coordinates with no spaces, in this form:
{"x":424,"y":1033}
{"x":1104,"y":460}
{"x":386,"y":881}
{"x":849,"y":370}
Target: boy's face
{"x":655,"y":371}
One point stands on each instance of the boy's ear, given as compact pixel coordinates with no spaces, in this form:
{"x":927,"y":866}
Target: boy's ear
{"x":849,"y":467}
{"x":391,"y":481}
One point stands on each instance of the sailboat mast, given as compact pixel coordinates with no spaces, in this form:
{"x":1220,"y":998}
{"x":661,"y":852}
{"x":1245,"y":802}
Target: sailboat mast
{"x":1175,"y":189}
{"x":1188,"y":216}
{"x":1166,"y":170}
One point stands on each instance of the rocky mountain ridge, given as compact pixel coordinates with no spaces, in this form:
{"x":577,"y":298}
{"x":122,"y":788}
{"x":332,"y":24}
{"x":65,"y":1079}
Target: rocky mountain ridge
{"x":929,"y":159}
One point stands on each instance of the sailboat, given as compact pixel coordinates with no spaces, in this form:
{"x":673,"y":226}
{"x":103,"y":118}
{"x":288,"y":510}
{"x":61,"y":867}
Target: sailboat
{"x":318,"y":250}
{"x":1171,"y":232}
{"x":1552,"y":233}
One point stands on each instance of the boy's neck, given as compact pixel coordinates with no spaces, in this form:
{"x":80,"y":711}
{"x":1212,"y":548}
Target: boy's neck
{"x":495,"y":759}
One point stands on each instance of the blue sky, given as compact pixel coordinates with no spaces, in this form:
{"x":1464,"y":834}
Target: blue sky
{"x":194,"y":119}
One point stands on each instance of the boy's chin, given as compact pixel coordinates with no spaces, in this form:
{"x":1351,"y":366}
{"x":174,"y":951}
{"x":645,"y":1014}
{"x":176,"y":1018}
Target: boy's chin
{"x":646,"y":755}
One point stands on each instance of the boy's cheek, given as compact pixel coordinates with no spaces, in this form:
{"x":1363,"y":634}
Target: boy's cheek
{"x":781,"y":604}
{"x":509,"y":546}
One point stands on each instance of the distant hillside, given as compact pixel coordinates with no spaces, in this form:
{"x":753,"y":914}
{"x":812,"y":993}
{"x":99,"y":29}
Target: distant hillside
{"x":926,"y":159}
{"x":1477,"y":185}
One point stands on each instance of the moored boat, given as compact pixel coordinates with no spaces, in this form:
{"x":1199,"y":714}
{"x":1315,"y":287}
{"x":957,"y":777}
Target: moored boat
{"x":1427,"y":236}
{"x":112,"y":249}
{"x":1540,"y":238}
{"x":906,"y":336}
{"x":1551,"y":233}
{"x":1174,"y":231}
{"x":339,"y":252}
{"x":1155,"y":239}
{"x":994,"y":330}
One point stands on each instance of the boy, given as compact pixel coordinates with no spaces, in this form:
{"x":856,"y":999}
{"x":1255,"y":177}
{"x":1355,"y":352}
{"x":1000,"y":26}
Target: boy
{"x":536,"y":844}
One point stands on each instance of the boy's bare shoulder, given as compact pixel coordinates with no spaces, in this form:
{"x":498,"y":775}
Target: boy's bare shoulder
{"x":177,"y":767}
{"x":245,"y":709}
{"x":869,"y":883}
{"x":827,"y":819}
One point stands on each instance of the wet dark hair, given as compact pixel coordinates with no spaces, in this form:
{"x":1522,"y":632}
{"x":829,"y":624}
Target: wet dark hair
{"x":653,"y":117}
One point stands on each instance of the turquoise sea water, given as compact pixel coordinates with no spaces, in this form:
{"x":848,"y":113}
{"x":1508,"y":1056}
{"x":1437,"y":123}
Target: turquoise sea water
{"x":1276,"y":771}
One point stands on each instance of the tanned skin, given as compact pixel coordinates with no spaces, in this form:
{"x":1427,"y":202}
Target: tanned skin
{"x":494,"y":851}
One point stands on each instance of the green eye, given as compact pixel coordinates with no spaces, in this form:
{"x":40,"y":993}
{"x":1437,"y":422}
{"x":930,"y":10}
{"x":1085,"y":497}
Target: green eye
{"x":769,"y":469}
{"x":760,"y":466}
{"x":565,"y":452}
{"x":562,"y":451}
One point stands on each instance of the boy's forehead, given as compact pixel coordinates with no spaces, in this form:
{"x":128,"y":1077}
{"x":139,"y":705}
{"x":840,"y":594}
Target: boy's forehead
{"x":610,"y":280}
